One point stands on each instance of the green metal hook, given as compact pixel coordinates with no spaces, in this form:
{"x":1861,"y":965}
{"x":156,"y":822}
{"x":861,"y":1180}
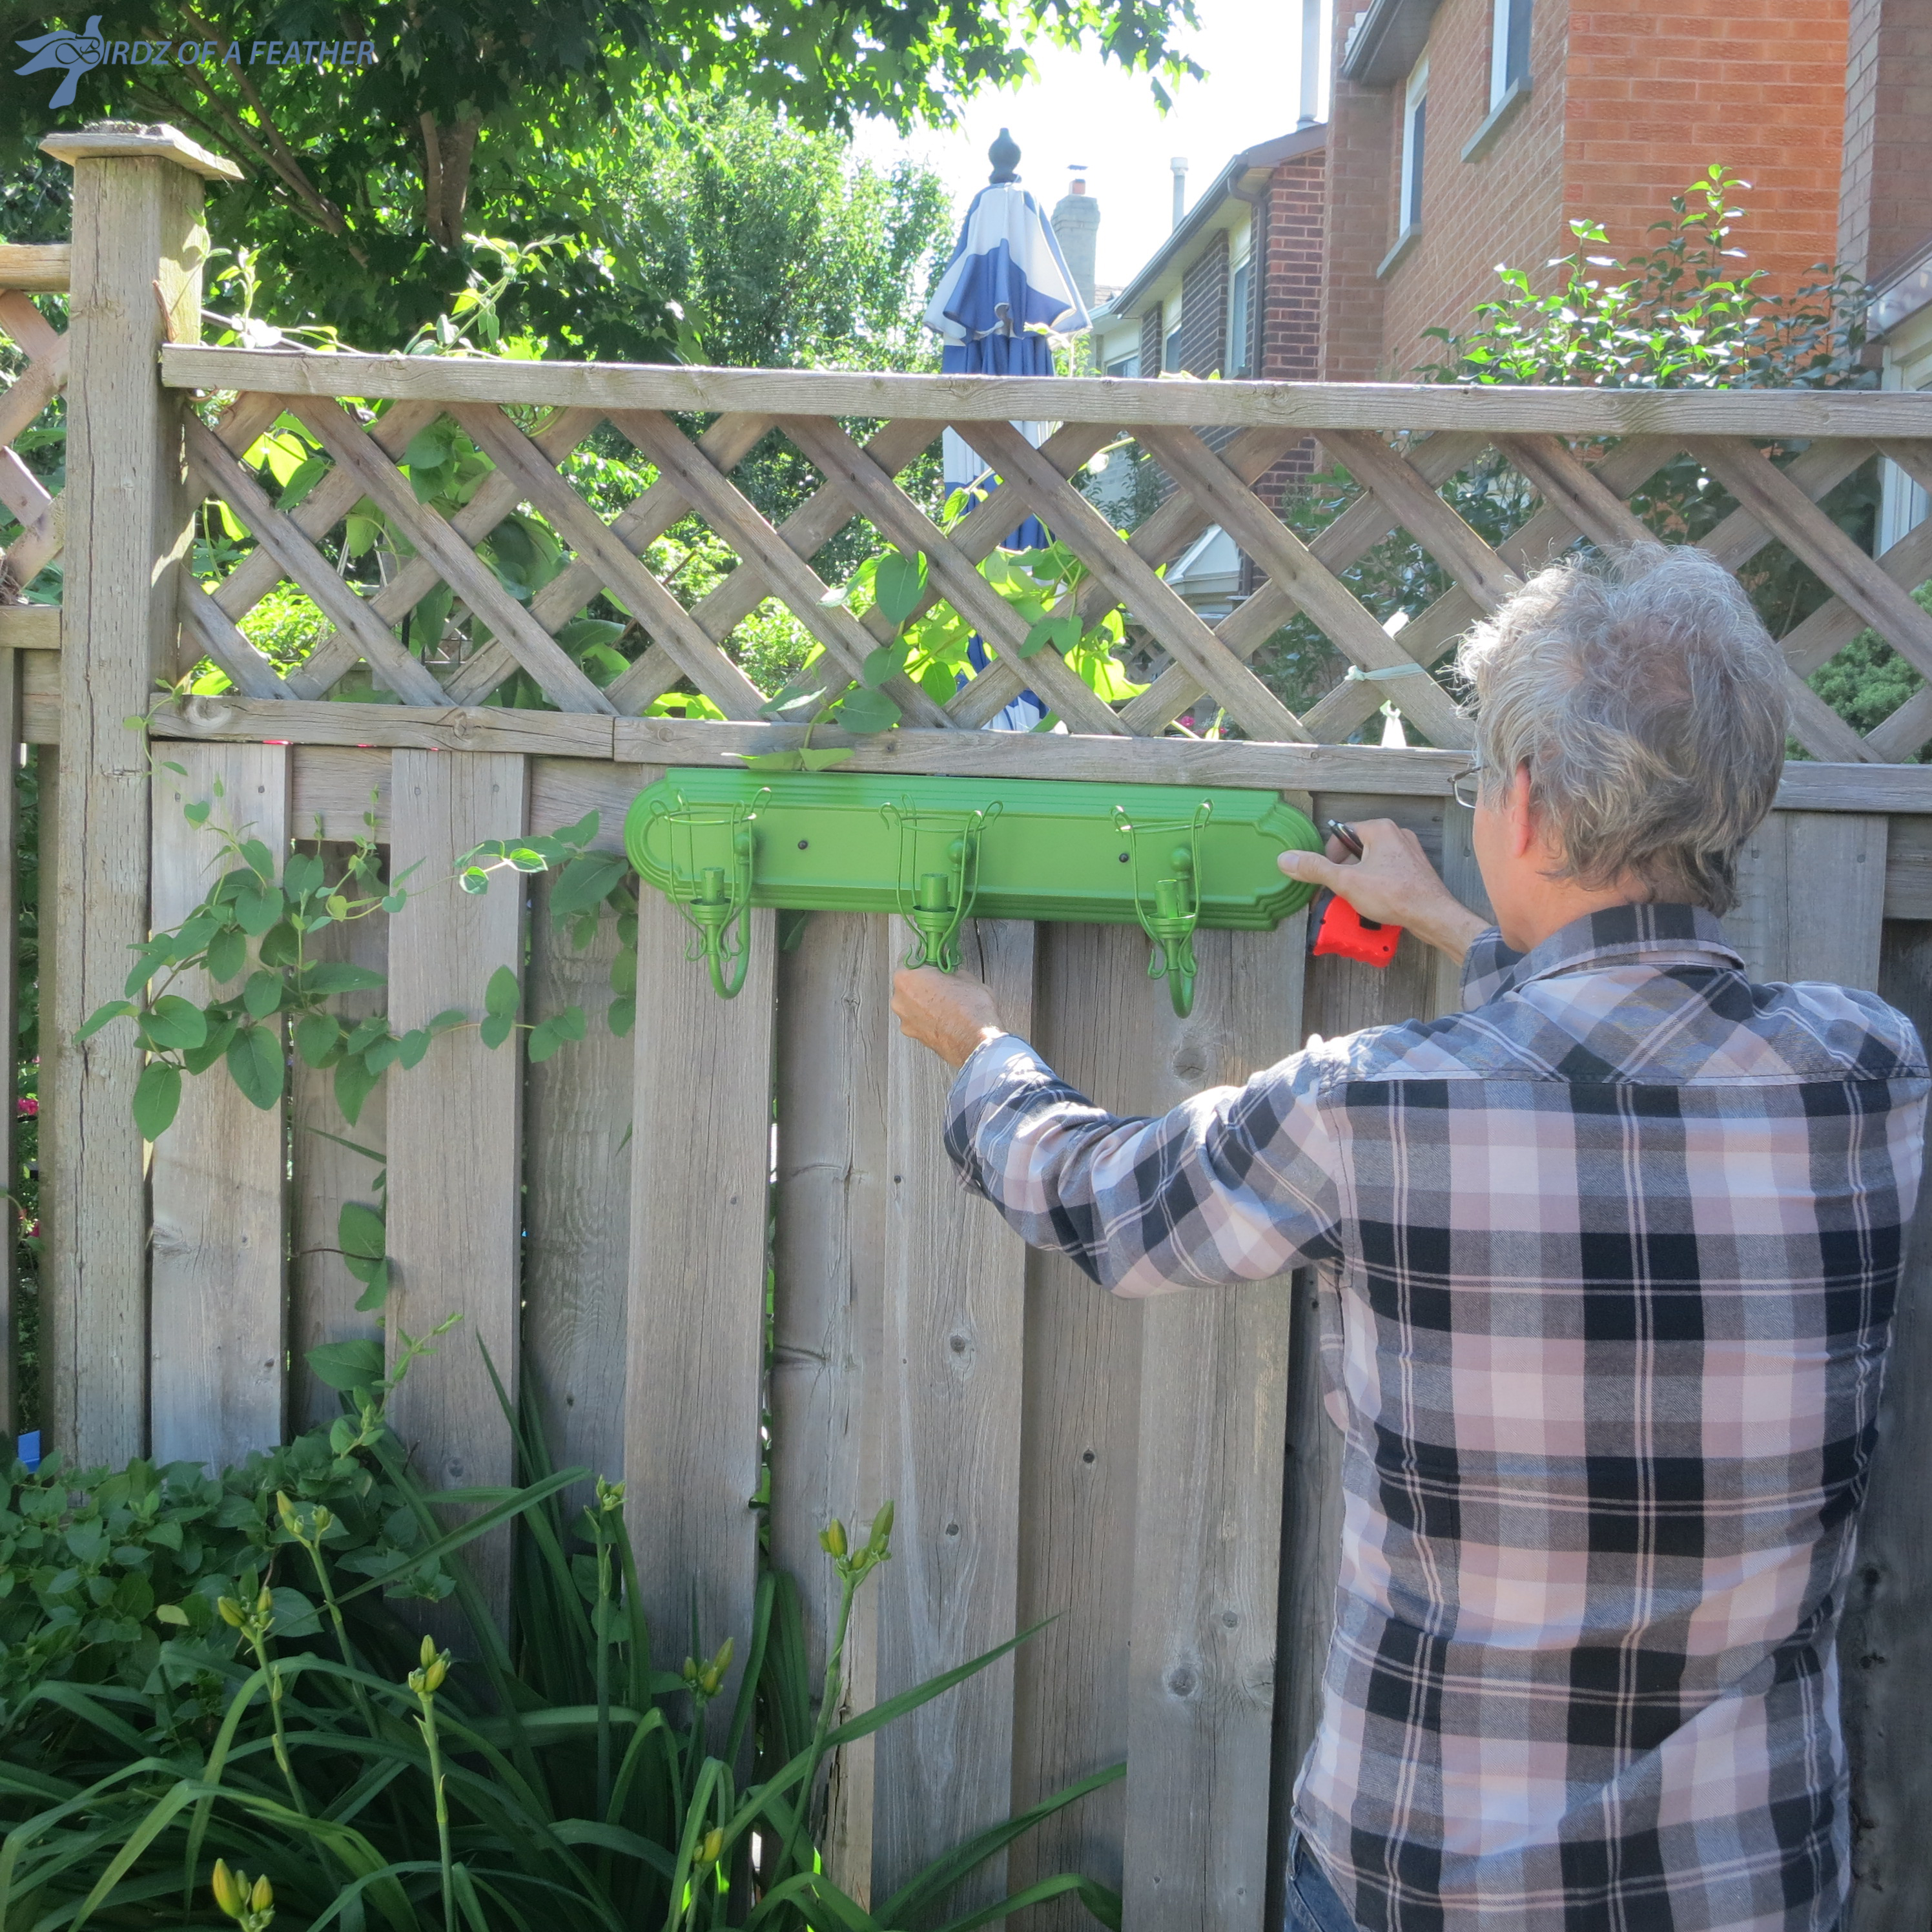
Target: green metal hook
{"x":714,"y":897}
{"x":935,"y":902}
{"x":1177,"y":901}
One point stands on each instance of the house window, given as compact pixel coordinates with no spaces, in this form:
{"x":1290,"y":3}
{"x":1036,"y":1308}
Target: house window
{"x":1239,"y":361}
{"x":1170,"y":354}
{"x":1125,"y":365}
{"x":1509,"y":50}
{"x":1415,"y":127}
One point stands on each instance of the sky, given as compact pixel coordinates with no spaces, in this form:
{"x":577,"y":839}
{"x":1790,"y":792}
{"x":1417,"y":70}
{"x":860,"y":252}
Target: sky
{"x":1081,"y":109}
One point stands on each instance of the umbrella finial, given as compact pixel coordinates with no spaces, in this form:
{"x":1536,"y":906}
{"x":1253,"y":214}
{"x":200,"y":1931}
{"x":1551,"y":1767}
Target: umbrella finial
{"x":1004,"y":154}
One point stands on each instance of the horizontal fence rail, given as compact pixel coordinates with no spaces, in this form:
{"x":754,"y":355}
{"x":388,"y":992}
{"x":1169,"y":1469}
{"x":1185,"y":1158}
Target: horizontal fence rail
{"x":720,"y":1245}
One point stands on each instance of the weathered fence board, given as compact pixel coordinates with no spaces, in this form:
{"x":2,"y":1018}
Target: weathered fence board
{"x":1784,"y":925}
{"x":1213,"y":1394}
{"x":11,"y":908}
{"x":138,"y":235}
{"x":1885,"y":1648}
{"x":576,"y":1172}
{"x":700,"y":1176}
{"x":326,"y":1173}
{"x":218,"y":1324}
{"x":955,"y":1292}
{"x":828,"y":1315}
{"x":455,"y":1191}
{"x":1080,"y":1456}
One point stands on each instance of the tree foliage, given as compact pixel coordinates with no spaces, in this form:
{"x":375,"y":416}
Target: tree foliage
{"x":362,"y":181}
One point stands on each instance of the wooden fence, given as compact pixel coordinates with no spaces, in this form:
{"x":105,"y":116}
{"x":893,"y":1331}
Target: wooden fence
{"x":1158,"y":1477}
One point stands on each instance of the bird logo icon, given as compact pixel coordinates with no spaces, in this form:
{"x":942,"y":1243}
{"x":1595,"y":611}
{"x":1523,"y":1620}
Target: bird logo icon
{"x":74,"y":54}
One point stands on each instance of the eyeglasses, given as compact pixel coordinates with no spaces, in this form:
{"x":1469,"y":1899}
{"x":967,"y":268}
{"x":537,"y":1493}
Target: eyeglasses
{"x":1467,"y":785}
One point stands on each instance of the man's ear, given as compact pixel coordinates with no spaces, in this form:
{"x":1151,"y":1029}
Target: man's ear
{"x":1522,"y":830}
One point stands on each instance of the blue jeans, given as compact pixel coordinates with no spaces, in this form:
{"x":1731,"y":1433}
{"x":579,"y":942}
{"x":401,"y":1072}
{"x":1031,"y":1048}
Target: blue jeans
{"x":1312,"y":1904}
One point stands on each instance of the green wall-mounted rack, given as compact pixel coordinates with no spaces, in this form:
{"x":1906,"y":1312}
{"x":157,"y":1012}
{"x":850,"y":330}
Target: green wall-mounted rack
{"x":939,"y":850}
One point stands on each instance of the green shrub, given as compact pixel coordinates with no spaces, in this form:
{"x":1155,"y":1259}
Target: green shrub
{"x":197,"y":1669}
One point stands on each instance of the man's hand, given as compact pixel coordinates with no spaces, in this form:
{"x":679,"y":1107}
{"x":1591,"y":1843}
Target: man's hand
{"x":1393,"y":883}
{"x":951,"y":1012}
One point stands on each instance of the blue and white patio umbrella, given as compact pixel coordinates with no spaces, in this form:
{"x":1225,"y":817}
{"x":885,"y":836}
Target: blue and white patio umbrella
{"x":1003,"y":296}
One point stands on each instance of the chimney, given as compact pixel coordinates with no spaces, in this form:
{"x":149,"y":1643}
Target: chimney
{"x":1311,"y":62}
{"x":1179,"y":165}
{"x":1076,"y":222}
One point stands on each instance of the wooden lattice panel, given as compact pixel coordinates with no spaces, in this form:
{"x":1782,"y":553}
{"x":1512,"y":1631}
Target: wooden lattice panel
{"x":1581,"y":487}
{"x":38,"y":540}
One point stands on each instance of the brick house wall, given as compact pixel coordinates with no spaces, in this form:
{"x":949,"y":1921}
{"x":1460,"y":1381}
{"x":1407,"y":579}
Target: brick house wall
{"x":1204,"y":309}
{"x":1506,"y":206}
{"x":1626,"y":106}
{"x":1655,"y":99}
{"x":1151,"y":336}
{"x":1286,"y":287}
{"x":1886,"y":206}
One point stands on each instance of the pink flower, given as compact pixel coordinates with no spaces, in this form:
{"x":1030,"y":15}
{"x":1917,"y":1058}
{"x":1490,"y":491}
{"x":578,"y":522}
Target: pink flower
{"x":27,"y":1106}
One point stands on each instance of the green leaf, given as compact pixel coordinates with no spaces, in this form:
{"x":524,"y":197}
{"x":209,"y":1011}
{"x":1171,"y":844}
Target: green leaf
{"x":346,"y":1365}
{"x":473,"y":879}
{"x":823,"y":761}
{"x":413,"y":1045}
{"x":888,"y":661}
{"x":317,"y":1037}
{"x":450,"y":1016}
{"x":261,"y":997}
{"x":281,"y":944}
{"x":377,"y":1291}
{"x":101,"y":1016}
{"x":544,"y":1041}
{"x":199,"y":1059}
{"x":302,"y":874}
{"x":227,"y":954}
{"x":354,"y":1084}
{"x":496,"y":1028}
{"x":259,"y":859}
{"x":622,"y":1015}
{"x":769,"y":761}
{"x":586,"y":881}
{"x":157,"y":1099}
{"x":502,"y":995}
{"x":255,"y":1064}
{"x":174,"y":1021}
{"x":360,"y":1233}
{"x":197,"y":812}
{"x":1062,"y":632}
{"x":255,"y":912}
{"x":898,"y":582}
{"x":334,"y":976}
{"x":380,"y":1055}
{"x":868,"y":711}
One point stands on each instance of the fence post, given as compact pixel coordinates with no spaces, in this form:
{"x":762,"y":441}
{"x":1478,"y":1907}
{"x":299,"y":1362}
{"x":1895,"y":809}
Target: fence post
{"x":138,"y":243}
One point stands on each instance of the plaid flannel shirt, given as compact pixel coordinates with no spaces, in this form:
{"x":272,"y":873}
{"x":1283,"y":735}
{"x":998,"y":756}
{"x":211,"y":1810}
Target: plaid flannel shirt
{"x":1613,"y":1254}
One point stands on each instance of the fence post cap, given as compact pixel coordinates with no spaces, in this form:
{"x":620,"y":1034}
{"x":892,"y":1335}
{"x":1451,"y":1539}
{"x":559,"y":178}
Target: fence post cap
{"x":136,"y":137}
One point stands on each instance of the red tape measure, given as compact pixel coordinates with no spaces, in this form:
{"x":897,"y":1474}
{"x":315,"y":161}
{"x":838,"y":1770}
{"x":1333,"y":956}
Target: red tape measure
{"x":1348,"y":935}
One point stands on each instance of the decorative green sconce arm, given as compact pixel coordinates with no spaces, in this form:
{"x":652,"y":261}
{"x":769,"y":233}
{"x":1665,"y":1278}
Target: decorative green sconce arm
{"x":939,"y":851}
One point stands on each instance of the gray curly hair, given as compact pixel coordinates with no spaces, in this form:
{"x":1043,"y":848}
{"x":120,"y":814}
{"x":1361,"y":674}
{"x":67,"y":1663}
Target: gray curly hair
{"x":1647,"y":700}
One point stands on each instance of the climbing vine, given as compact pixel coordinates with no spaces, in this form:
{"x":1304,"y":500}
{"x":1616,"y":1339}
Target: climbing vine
{"x":251,"y":941}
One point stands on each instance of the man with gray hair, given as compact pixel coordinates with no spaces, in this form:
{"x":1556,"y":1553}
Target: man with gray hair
{"x":1608,"y":1261}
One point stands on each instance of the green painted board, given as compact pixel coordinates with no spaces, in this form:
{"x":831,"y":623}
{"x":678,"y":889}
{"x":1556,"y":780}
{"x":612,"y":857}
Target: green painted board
{"x":1046,"y":849}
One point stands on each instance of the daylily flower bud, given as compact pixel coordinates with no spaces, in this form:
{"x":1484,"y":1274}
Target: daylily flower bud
{"x":229,"y":1895}
{"x":232,"y":1614}
{"x":428,"y":1655}
{"x":263,"y":1896}
{"x":712,"y":1849}
{"x":832,"y":1538}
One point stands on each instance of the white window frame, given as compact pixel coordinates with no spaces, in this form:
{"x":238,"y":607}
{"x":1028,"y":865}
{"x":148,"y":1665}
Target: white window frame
{"x":1170,"y":339}
{"x":1414,"y":146}
{"x":1237,"y":352}
{"x":1506,"y":17}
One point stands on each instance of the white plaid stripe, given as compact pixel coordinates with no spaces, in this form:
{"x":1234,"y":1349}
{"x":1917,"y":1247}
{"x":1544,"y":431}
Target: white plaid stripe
{"x":1609,"y":1261}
